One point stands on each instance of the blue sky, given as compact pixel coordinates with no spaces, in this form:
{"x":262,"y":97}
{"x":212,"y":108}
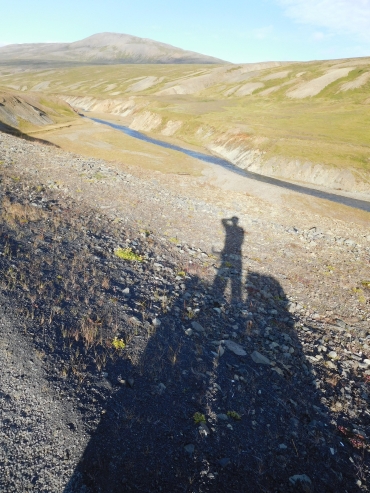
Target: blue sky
{"x":234,"y":30}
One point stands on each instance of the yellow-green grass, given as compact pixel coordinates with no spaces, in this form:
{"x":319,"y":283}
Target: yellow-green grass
{"x":100,"y":77}
{"x":330,"y":128}
{"x":322,"y":131}
{"x":55,"y":108}
{"x":102,"y":142}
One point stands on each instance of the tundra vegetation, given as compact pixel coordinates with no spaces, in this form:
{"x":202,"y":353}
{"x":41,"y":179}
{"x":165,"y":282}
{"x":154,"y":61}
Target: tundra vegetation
{"x":313,"y":112}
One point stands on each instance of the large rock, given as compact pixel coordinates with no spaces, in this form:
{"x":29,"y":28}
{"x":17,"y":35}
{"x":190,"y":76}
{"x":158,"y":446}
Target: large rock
{"x":235,"y":348}
{"x":260,"y":358}
{"x":196,"y":326}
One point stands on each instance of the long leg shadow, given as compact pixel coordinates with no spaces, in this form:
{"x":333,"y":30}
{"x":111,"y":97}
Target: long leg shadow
{"x":231,"y":260}
{"x":229,"y":405}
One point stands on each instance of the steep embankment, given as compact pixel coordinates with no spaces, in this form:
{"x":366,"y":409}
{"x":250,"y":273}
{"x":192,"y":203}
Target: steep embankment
{"x":26,"y":112}
{"x":234,"y":145}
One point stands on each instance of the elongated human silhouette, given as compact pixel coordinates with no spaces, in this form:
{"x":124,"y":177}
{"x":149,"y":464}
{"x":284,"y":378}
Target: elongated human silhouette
{"x":231,"y":260}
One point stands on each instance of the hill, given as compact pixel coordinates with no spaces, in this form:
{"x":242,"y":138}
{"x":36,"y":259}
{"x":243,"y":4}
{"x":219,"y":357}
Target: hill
{"x":103,"y":48}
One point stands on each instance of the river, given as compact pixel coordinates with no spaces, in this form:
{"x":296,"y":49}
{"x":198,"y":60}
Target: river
{"x":339,"y":199}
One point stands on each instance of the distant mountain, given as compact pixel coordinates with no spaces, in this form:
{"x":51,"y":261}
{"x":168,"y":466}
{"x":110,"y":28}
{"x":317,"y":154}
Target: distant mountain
{"x":103,"y":48}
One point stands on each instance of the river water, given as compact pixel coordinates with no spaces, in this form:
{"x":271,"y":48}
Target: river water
{"x":339,"y":199}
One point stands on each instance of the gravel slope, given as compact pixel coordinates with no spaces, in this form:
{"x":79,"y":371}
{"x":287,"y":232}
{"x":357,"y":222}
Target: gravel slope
{"x":209,"y":363}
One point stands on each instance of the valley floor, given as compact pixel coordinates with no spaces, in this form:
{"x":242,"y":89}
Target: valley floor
{"x":221,"y":355}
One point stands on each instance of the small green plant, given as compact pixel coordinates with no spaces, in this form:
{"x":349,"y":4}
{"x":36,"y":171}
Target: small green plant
{"x":199,"y":418}
{"x":234,"y":415}
{"x":366,"y":284}
{"x":181,"y":273}
{"x":118,"y":343}
{"x":99,"y":176}
{"x":360,"y":294}
{"x":128,"y":254}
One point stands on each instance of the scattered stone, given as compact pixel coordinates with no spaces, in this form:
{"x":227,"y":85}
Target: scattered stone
{"x":204,"y":430}
{"x":260,"y":359}
{"x":161,"y":388}
{"x":220,"y":351}
{"x":224,"y":462}
{"x":261,"y":321}
{"x":302,"y":480}
{"x":189,"y":448}
{"x":332,"y":355}
{"x":196,"y":326}
{"x":235,"y":348}
{"x":156,"y":322}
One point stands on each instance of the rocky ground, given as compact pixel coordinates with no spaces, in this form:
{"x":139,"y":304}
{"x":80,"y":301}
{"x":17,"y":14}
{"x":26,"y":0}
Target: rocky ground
{"x":147,"y":345}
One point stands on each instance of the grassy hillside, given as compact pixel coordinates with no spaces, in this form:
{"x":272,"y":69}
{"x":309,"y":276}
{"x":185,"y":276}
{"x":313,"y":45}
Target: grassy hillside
{"x":25,"y":113}
{"x":314,"y":111}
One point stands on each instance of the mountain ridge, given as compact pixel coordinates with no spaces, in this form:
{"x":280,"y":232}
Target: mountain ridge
{"x":105,"y":48}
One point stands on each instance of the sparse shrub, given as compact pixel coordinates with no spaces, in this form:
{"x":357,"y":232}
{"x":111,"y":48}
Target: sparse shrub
{"x":199,"y":418}
{"x":234,"y":415}
{"x":90,"y":331}
{"x":105,"y":283}
{"x":15,"y":212}
{"x":128,"y":254}
{"x":118,"y":343}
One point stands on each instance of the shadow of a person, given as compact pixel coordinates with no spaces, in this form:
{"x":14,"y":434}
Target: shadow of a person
{"x":294,"y":436}
{"x":231,"y":260}
{"x":224,"y":404}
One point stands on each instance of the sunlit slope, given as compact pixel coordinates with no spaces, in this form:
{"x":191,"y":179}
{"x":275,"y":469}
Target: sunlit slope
{"x":103,"y":48}
{"x":306,"y":121}
{"x":28,"y":112}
